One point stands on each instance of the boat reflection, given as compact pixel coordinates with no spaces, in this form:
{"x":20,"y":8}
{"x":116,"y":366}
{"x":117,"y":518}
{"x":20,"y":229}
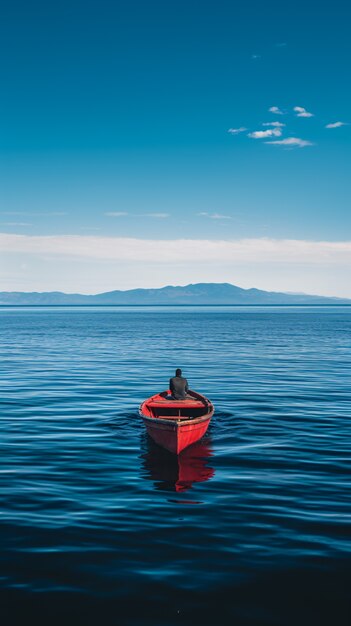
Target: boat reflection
{"x":178,"y":473}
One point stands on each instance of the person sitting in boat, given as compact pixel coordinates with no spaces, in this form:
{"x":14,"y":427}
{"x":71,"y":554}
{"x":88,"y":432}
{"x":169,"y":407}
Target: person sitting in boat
{"x":179,"y":386}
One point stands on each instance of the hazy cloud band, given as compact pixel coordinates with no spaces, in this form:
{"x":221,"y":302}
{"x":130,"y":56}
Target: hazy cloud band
{"x":179,"y":250}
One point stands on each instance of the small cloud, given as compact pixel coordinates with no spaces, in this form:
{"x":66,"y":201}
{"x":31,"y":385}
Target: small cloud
{"x":236,"y":131}
{"x":215,"y":216}
{"x":291,"y":141}
{"x":52,"y":213}
{"x":17,"y":224}
{"x":116,"y":213}
{"x":262,"y":134}
{"x":31,"y":214}
{"x":281,"y":45}
{"x":275,"y":110}
{"x":255,"y":56}
{"x":336,"y":125}
{"x":219,"y":216}
{"x":277,"y":124}
{"x":301,"y":112}
{"x":157,"y":215}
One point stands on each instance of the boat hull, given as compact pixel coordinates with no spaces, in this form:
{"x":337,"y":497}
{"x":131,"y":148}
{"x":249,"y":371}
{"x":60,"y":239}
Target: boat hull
{"x":175,"y":437}
{"x":178,"y":432}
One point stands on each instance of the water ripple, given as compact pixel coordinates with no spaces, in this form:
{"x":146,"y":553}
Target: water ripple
{"x":91,"y":509}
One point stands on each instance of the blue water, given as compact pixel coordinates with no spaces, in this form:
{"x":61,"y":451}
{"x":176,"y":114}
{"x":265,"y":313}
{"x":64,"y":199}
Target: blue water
{"x":251,"y":526}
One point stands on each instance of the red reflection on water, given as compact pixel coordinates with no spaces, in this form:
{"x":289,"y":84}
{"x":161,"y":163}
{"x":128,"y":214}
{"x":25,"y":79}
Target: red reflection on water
{"x":178,"y":473}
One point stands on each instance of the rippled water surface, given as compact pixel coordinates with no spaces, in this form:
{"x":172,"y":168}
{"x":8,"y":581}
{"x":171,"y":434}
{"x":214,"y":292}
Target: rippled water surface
{"x":251,"y":526}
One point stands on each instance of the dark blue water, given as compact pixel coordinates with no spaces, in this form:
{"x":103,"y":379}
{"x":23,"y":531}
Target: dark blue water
{"x":251,"y":526}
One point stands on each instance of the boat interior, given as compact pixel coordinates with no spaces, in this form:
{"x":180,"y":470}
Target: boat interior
{"x":176,"y":409}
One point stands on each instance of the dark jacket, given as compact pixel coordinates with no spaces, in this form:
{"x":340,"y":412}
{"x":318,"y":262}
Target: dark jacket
{"x":179,"y":387}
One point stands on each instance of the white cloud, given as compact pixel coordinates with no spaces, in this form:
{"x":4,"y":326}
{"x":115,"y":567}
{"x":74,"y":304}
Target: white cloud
{"x":17,"y":224}
{"x":262,"y":134}
{"x":124,"y":213}
{"x":236,"y":131}
{"x":336,"y":125}
{"x":276,"y":124}
{"x":177,"y":250}
{"x":215,"y":216}
{"x":220,"y":216}
{"x":52,"y":214}
{"x":31,"y":214}
{"x":116,"y":213}
{"x":255,"y":56}
{"x":301,"y":112}
{"x":156,"y":215}
{"x":292,"y":141}
{"x":275,"y":110}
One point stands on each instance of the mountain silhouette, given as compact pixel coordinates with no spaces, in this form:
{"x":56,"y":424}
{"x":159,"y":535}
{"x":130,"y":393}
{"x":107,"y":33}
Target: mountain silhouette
{"x":199,"y":293}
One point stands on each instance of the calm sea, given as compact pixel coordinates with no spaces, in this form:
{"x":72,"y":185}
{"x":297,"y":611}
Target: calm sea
{"x":251,"y":526}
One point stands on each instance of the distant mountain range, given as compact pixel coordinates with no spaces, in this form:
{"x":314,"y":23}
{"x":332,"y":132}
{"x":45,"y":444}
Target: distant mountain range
{"x":200,"y":293}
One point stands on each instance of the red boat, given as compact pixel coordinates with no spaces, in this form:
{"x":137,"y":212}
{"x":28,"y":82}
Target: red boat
{"x":176,"y":424}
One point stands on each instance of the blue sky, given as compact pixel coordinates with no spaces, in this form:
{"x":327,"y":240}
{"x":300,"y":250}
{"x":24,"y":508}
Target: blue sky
{"x":114,"y":136}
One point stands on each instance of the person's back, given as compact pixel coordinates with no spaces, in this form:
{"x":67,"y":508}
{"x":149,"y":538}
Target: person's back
{"x":178,"y":386}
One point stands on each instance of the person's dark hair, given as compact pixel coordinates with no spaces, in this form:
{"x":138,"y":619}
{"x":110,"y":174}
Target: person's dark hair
{"x":178,"y":372}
